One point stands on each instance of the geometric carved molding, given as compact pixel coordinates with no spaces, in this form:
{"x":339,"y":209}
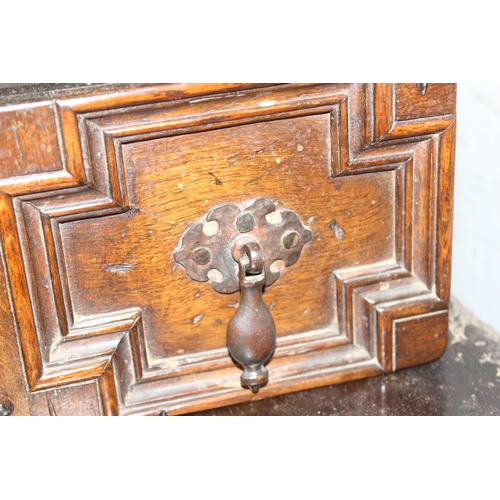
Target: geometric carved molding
{"x":379,"y":307}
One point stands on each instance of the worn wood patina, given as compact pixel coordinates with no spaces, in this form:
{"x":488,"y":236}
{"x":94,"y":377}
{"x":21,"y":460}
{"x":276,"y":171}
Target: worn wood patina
{"x":99,"y":183}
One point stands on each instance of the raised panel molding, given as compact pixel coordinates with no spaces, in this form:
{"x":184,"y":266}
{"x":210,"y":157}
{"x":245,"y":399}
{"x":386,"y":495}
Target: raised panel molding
{"x":378,"y":307}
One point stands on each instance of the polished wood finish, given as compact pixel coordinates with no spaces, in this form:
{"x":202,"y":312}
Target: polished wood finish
{"x":22,"y":126}
{"x":103,"y":314}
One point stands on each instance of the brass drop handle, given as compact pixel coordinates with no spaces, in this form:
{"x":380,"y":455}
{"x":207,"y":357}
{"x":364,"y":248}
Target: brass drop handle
{"x":243,"y":248}
{"x":251,"y":332}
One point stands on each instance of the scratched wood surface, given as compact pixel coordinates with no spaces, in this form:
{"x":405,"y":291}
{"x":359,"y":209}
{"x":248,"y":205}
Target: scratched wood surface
{"x":21,"y":127}
{"x":104,"y":314}
{"x":127,"y":260}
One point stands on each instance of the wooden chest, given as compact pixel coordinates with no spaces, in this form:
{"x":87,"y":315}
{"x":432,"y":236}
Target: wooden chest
{"x":103,"y":187}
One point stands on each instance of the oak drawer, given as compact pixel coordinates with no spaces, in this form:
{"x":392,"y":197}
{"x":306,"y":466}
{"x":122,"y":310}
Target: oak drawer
{"x":100,"y":184}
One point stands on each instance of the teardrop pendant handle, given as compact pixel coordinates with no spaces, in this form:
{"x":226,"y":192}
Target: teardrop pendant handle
{"x":251,"y":332}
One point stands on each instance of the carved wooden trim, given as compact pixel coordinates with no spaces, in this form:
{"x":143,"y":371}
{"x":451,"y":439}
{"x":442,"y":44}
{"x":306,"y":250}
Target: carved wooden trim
{"x":386,"y":300}
{"x":388,"y":127}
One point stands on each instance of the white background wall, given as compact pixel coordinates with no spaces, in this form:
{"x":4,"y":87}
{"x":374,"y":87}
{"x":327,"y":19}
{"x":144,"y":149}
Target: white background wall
{"x":476,"y":230}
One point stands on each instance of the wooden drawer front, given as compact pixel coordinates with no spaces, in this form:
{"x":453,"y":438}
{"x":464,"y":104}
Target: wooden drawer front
{"x":102,"y":308}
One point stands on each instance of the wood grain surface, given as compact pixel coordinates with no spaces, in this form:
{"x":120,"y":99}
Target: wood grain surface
{"x":104,"y":314}
{"x":28,"y":134}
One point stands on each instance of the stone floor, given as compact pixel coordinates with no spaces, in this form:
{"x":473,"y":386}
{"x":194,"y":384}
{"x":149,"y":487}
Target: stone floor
{"x":464,"y":381}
